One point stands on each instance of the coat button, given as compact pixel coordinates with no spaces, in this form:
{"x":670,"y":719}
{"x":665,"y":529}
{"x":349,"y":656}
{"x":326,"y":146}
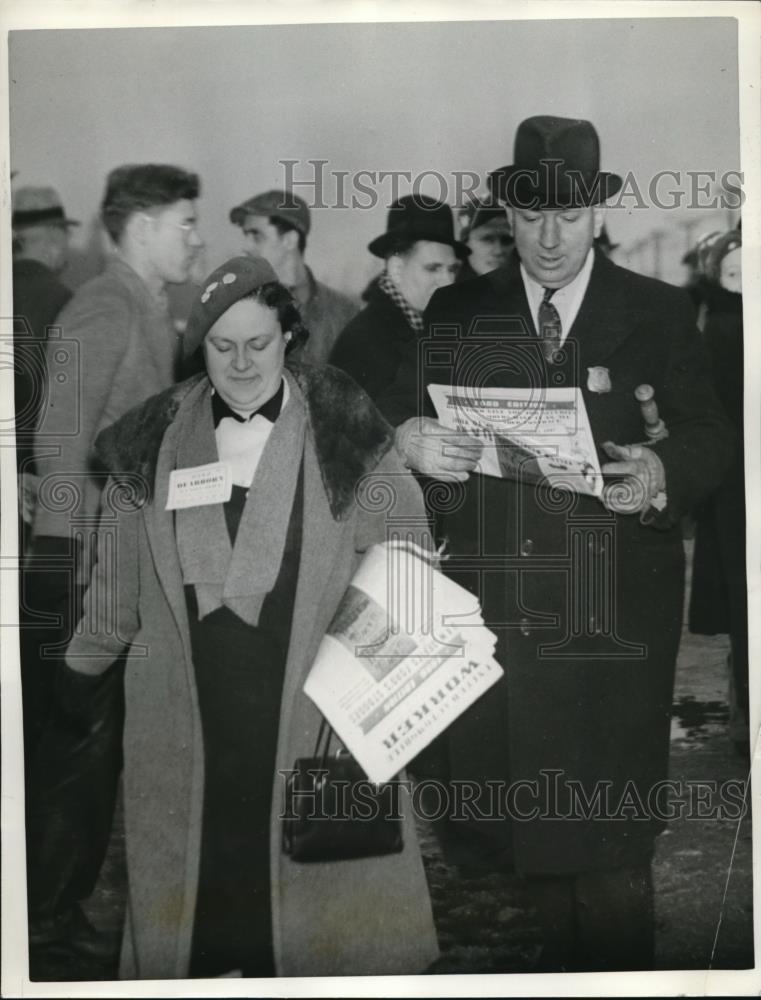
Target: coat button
{"x":527,"y":547}
{"x":525,"y":627}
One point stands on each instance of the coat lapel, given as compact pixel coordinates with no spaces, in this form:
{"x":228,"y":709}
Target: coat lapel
{"x":507,"y":286}
{"x":321,"y":534}
{"x":602,"y":323}
{"x":159,"y":523}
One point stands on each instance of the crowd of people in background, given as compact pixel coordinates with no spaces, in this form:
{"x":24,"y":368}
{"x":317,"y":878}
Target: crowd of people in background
{"x":301,"y":388}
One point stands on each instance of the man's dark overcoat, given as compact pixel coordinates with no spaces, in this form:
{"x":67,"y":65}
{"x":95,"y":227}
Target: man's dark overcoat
{"x":372,"y":345}
{"x":587,"y":605}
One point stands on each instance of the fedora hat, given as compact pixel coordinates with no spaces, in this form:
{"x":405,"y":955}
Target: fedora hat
{"x":416,"y":217}
{"x":38,"y":206}
{"x":556,"y":165}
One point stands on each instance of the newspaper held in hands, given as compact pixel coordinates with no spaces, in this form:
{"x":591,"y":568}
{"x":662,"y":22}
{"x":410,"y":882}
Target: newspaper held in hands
{"x":406,"y":653}
{"x":536,"y":435}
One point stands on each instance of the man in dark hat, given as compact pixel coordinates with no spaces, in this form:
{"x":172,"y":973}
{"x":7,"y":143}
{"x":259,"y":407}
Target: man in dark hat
{"x":421,"y":254}
{"x":276,"y":225}
{"x":118,"y":347}
{"x":40,"y":251}
{"x":585,"y":595}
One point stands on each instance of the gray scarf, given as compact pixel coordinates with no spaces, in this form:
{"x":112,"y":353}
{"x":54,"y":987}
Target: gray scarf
{"x":239,"y":576}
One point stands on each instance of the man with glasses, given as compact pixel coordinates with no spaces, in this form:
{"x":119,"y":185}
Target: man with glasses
{"x":117,"y":347}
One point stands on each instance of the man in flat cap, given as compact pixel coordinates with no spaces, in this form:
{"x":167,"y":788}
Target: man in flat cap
{"x":568,"y":752}
{"x":118,"y":347}
{"x":276,"y":225}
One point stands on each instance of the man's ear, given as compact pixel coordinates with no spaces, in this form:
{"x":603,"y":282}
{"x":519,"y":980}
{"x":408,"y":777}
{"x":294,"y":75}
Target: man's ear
{"x":509,"y":217}
{"x":290,"y":239}
{"x":598,"y":214}
{"x":393,"y":267}
{"x":138,"y":226}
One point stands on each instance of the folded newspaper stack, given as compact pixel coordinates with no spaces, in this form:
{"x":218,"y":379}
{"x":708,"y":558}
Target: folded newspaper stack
{"x":406,"y":653}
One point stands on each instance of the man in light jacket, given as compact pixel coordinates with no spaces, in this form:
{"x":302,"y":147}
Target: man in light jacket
{"x":117,"y":347}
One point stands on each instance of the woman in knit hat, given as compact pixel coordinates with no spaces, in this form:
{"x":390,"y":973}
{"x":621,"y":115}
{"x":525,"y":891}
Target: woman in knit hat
{"x":241,"y":500}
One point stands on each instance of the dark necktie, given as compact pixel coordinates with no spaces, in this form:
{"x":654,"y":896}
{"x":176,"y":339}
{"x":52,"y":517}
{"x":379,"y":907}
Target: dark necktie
{"x":550,"y":328}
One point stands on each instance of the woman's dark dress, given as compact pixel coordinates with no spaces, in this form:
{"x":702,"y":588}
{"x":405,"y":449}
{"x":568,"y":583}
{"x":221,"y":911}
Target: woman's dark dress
{"x":239,"y":675}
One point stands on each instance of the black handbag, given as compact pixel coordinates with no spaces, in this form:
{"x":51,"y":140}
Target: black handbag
{"x":333,"y":812}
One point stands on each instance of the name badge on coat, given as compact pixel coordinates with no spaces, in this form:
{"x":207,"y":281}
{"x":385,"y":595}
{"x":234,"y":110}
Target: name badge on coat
{"x":199,"y":486}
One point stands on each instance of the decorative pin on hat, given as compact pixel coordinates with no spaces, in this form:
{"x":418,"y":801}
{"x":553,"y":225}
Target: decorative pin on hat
{"x":232,"y":281}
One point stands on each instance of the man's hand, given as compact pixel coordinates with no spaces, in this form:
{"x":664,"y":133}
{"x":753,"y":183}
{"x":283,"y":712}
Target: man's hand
{"x":28,"y":486}
{"x":644,"y":477}
{"x":428,"y":447}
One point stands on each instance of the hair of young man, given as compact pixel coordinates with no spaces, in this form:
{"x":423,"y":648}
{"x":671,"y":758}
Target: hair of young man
{"x":137,"y":187}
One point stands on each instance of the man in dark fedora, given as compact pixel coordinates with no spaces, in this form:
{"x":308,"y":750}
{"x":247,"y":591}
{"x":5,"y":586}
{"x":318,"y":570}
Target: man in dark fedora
{"x":566,"y":755}
{"x":40,"y":252}
{"x":421,"y":254}
{"x":276,"y":225}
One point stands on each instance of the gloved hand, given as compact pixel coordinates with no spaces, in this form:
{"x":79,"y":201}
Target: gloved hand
{"x":428,"y":447}
{"x":77,"y":696}
{"x":51,"y":585}
{"x":28,"y":485}
{"x":644,"y":478}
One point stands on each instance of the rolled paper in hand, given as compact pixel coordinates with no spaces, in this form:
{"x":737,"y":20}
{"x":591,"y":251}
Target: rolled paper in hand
{"x":655,"y":429}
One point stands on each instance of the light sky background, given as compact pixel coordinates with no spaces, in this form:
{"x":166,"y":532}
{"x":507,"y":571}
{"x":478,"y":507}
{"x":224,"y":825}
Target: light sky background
{"x":229,"y":102}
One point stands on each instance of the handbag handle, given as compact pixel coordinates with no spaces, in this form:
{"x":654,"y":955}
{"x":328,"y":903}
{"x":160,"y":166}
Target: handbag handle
{"x":325,"y":735}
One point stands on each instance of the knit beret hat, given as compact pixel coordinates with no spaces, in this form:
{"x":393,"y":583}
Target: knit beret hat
{"x":225,"y":286}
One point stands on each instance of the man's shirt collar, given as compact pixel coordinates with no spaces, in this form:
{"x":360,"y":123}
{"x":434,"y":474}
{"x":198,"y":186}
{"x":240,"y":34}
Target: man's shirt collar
{"x":567,"y":300}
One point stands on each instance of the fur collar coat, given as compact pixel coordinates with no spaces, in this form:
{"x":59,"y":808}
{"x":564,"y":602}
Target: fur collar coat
{"x":362,"y":917}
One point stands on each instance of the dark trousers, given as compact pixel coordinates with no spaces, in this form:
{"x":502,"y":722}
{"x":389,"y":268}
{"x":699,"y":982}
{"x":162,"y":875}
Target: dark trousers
{"x":596,"y":921}
{"x":73,"y":742}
